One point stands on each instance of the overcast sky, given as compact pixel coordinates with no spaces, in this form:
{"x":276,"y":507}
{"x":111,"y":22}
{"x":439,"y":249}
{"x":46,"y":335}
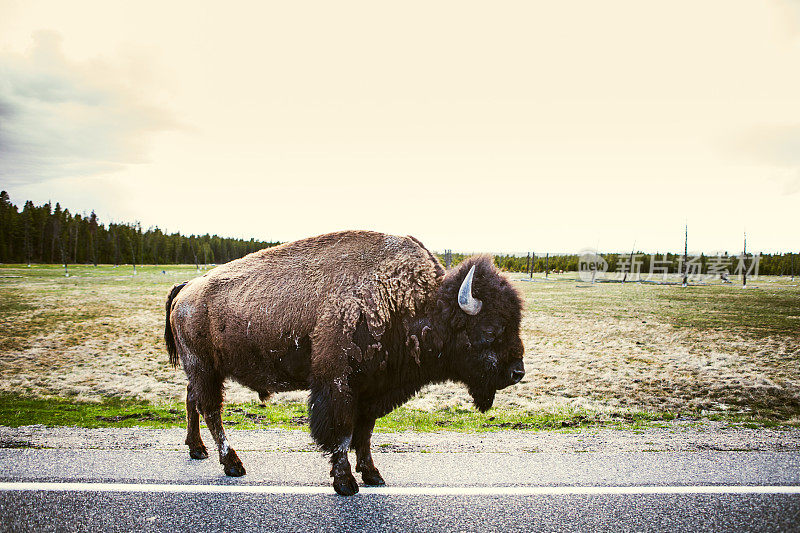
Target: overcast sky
{"x":476,"y":126}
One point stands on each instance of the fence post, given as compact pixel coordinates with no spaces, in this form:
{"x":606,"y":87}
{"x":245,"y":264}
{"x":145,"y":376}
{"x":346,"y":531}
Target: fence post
{"x":546,"y":264}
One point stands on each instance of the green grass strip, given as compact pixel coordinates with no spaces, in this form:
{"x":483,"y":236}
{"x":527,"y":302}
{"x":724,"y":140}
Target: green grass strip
{"x":18,"y":411}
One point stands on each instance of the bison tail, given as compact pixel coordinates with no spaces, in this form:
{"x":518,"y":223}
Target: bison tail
{"x":168,"y":336}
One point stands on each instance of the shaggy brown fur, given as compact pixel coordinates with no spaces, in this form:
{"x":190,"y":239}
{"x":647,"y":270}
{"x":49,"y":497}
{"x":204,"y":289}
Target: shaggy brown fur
{"x":362,"y":319}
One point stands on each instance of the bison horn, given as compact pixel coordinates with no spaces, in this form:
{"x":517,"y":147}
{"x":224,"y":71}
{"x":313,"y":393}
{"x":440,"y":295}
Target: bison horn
{"x":467,"y":302}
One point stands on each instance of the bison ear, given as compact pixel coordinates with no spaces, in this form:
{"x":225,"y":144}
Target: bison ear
{"x":468,"y":303}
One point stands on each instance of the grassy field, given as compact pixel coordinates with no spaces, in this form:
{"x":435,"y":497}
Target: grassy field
{"x":87,"y":349}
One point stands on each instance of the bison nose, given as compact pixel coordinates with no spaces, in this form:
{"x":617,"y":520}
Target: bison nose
{"x":517,"y":372}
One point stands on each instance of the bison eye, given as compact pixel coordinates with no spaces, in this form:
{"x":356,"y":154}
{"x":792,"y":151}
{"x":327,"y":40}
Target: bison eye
{"x":488,"y":335}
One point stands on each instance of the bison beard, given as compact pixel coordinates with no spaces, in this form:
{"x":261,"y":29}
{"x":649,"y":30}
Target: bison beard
{"x":361,"y":319}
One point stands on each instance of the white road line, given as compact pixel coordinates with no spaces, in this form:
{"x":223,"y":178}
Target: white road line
{"x":401,"y":491}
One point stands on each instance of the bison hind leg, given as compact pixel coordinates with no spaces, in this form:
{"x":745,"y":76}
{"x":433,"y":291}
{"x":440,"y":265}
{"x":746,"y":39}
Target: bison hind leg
{"x":197,"y":450}
{"x":207,"y":387}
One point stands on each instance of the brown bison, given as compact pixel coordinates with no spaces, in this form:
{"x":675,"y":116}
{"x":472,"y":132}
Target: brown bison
{"x":362,"y":319}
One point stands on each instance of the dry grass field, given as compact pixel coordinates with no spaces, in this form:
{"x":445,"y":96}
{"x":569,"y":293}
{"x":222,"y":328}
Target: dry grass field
{"x":603,"y":347}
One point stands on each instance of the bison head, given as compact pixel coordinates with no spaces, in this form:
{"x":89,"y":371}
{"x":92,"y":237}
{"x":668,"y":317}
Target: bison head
{"x":481,"y":313}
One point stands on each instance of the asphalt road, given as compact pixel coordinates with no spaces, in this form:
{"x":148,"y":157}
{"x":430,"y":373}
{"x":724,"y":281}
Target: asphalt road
{"x":473,"y":485}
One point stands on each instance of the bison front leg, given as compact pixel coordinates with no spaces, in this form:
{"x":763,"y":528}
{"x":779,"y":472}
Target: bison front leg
{"x":361,"y":443}
{"x":331,"y":420}
{"x":343,"y":481}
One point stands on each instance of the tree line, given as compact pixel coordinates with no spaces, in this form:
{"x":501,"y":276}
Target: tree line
{"x":47,"y":234}
{"x":778,"y":264}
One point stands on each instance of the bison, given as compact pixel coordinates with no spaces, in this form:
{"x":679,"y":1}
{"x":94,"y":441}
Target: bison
{"x":361,"y":319}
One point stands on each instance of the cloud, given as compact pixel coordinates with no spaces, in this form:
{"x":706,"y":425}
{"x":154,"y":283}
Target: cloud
{"x":62,"y":119}
{"x":775,"y":145}
{"x":791,"y":181}
{"x":789,"y":15}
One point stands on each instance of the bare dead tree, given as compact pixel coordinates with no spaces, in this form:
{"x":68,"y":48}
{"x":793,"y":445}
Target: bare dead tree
{"x":63,"y":255}
{"x":154,"y":248}
{"x":56,"y":225}
{"x":27,"y":240}
{"x":744,"y":262}
{"x":75,"y":242}
{"x":685,"y":256}
{"x":93,"y":236}
{"x":630,"y":262}
{"x":133,"y":254}
{"x":115,"y":242}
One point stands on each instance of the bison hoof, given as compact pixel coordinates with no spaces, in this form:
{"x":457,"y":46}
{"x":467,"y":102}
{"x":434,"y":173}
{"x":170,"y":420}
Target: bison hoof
{"x":372,"y":477}
{"x":345,"y":485}
{"x":233,"y":465}
{"x":235,"y":470}
{"x":199,"y":452}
